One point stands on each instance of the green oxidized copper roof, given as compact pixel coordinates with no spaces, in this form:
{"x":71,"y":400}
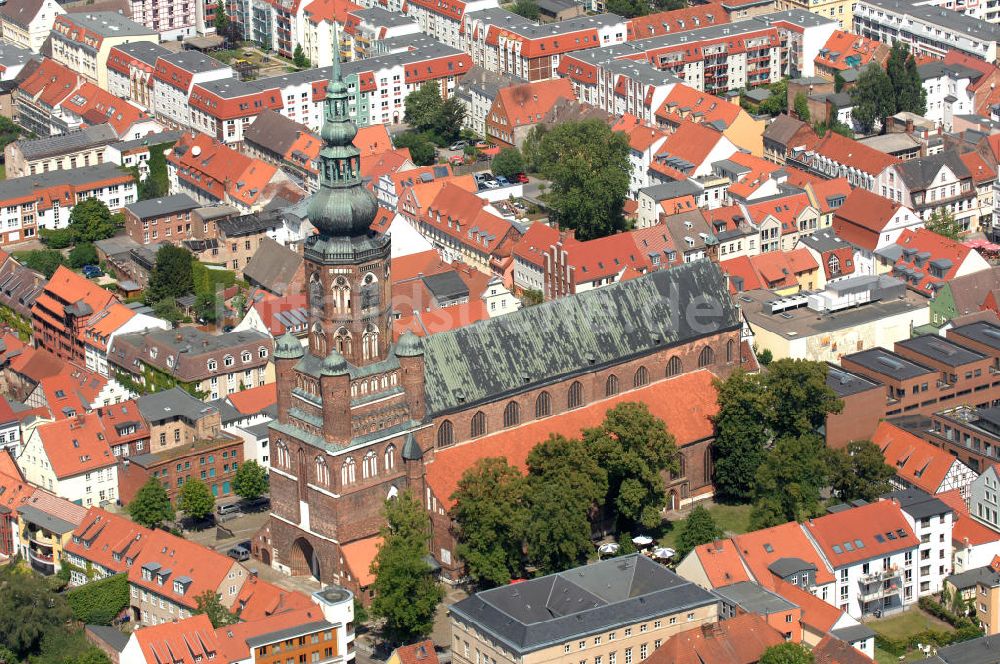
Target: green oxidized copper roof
{"x":546,"y":343}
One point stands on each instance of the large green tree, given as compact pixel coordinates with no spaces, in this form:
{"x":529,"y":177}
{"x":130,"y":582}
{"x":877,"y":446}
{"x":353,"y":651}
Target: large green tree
{"x":588,"y":167}
{"x":635,"y":449}
{"x":9,"y":132}
{"x":422,"y":150}
{"x":299,"y":58}
{"x":698,"y":528}
{"x":151,"y":505}
{"x":526,"y":8}
{"x":83,"y":254}
{"x":787,"y":653}
{"x":426,"y":111}
{"x":28,"y":611}
{"x":508,"y":163}
{"x":798,"y":397}
{"x":741,"y":436}
{"x":406,"y":595}
{"x":565,"y":487}
{"x":250,"y":481}
{"x":944,"y":224}
{"x":91,"y":220}
{"x":490,"y":516}
{"x":46,"y":261}
{"x":802,"y":107}
{"x":789,"y":482}
{"x":629,"y":8}
{"x":873,"y":97}
{"x":907,"y":88}
{"x":172,"y":275}
{"x":859,"y":471}
{"x":195,"y":500}
{"x":210,"y":604}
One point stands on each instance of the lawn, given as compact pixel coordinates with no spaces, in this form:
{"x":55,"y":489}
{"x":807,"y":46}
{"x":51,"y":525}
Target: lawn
{"x":731,"y":519}
{"x":903,"y":626}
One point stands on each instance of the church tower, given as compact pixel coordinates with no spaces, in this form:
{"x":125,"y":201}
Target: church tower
{"x":349,"y":431}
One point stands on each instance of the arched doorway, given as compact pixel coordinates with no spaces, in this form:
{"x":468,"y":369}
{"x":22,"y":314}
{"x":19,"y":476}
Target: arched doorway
{"x":305,"y":561}
{"x":265,"y":556}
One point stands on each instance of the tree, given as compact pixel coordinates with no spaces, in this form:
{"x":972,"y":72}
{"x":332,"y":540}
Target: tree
{"x":943,"y":223}
{"x":777,"y":102}
{"x":151,"y":505}
{"x":635,"y":449}
{"x":588,"y":166}
{"x":508,"y":163}
{"x":195,"y":500}
{"x":565,"y":487}
{"x":913,"y":97}
{"x":46,"y":261}
{"x":422,"y":150}
{"x":526,"y":8}
{"x":798,"y":397}
{"x":628,"y":8}
{"x":859,"y":471}
{"x":172,"y":275}
{"x":299,"y":58}
{"x":489,"y":514}
{"x":83,"y":254}
{"x":250,"y":481}
{"x":99,"y":602}
{"x":28,"y":610}
{"x":699,"y":528}
{"x":221,"y":18}
{"x":91,"y":220}
{"x":802,"y":107}
{"x":741,"y":436}
{"x":531,"y":147}
{"x":168,"y":310}
{"x":789,"y":481}
{"x":9,"y":132}
{"x":406,"y":595}
{"x":157,"y":181}
{"x":787,"y":653}
{"x":838,"y":82}
{"x":873,"y":98}
{"x":427,"y":112}
{"x":210,"y":604}
{"x":57,"y":238}
{"x":206,"y":308}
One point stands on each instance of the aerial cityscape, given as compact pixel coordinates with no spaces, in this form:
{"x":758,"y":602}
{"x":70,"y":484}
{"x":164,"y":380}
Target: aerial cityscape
{"x":482,"y":332}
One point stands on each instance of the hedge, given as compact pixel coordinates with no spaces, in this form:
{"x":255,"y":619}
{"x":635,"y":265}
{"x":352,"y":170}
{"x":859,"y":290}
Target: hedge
{"x":99,"y":602}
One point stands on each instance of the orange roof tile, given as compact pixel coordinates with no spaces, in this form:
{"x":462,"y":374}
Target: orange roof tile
{"x":722,"y":563}
{"x":852,"y":51}
{"x":815,"y":612}
{"x":16,"y":491}
{"x":691,"y":141}
{"x":831,"y":650}
{"x":738,"y":640}
{"x":329,"y":10}
{"x":188,"y":641}
{"x":867,"y":524}
{"x":980,"y":170}
{"x":527,"y":103}
{"x":849,"y":152}
{"x":206,"y":568}
{"x":418,"y":653}
{"x":923,"y":465}
{"x":640,"y":135}
{"x":233,"y":639}
{"x":965,"y":530}
{"x":75,"y":445}
{"x":103,"y":325}
{"x":218,"y":169}
{"x":98,"y":106}
{"x":107,"y":539}
{"x":762,"y":547}
{"x":255,"y":399}
{"x":50,"y":83}
{"x":984,"y":68}
{"x":359,"y":556}
{"x":687,"y":103}
{"x":259,"y":599}
{"x":685,"y":403}
{"x":676,"y":20}
{"x":742,"y":268}
{"x":939,"y":247}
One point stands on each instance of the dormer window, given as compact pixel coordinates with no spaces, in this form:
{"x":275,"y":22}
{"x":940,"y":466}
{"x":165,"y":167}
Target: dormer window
{"x":212,"y":365}
{"x":228,"y":360}
{"x":247,"y":356}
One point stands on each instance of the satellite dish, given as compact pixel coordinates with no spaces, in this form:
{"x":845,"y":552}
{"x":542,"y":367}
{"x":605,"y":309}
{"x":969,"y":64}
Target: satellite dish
{"x":196,"y":150}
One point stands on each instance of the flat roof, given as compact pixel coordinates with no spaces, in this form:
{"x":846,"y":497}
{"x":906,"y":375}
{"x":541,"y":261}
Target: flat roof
{"x":109,"y":24}
{"x":754,"y":599}
{"x":981,"y":331}
{"x":938,"y":348}
{"x":888,"y":363}
{"x":952,"y":20}
{"x":804,"y":322}
{"x":155,"y":207}
{"x":846,"y":383}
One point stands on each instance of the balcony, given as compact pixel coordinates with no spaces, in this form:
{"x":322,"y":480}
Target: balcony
{"x":880,"y":576}
{"x":41,"y":563}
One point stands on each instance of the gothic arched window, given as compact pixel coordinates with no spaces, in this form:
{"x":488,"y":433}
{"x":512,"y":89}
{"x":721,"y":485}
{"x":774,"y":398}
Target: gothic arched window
{"x":318,"y":339}
{"x":284,"y":460}
{"x":543,"y":405}
{"x":341,"y":295}
{"x":369,"y":466}
{"x":369,"y":343}
{"x":389,"y":457}
{"x":641,"y":377}
{"x":611,"y":386}
{"x":446,"y":434}
{"x":322,"y":472}
{"x":706,"y":357}
{"x":347,"y":472}
{"x":674,"y":367}
{"x":730,"y":347}
{"x":342,"y":342}
{"x":478,"y":427}
{"x":511,"y":415}
{"x":575,"y":397}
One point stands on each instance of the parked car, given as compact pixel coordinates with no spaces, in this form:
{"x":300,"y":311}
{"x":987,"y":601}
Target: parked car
{"x":521,"y":178}
{"x":92,"y":271}
{"x":256,"y":504}
{"x":492,"y":184}
{"x":225,"y":510}
{"x":456,"y":160}
{"x":502,"y":181}
{"x":459,"y":145}
{"x":483,"y":145}
{"x":238,"y":553}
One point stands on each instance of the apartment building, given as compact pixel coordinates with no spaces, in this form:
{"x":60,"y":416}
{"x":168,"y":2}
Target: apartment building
{"x":932,"y":522}
{"x":114,"y":320}
{"x":46,"y":200}
{"x":65,"y":308}
{"x":215,"y":365}
{"x":71,"y":458}
{"x":926,"y":30}
{"x":174,"y":76}
{"x":84,"y":147}
{"x":82,"y":42}
{"x":172,"y":20}
{"x":157,"y":219}
{"x":371,"y":25}
{"x":27,"y":23}
{"x":130,"y":72}
{"x":13,"y":59}
{"x":595,"y":623}
{"x":444,"y":20}
{"x":928,"y":184}
{"x":104,"y":544}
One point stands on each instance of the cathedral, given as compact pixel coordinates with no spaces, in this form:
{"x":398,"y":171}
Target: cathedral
{"x":360,"y":418}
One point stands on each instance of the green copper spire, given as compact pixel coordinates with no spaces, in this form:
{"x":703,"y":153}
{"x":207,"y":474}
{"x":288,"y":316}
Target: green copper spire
{"x":342,"y":206}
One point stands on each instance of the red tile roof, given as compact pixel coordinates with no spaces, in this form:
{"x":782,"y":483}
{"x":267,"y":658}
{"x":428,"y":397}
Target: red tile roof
{"x":739,"y":640}
{"x":816,"y":613}
{"x":762,"y":547}
{"x":984,"y":68}
{"x":965,"y":530}
{"x":107,"y":539}
{"x":849,"y":152}
{"x":206,"y":164}
{"x":605,"y":257}
{"x":691,"y":141}
{"x":463,"y":215}
{"x":15,"y":489}
{"x":359,"y":555}
{"x":527,"y":104}
{"x":233,"y":639}
{"x":832,"y":650}
{"x":939,"y":248}
{"x":75,"y":445}
{"x":254,"y":399}
{"x":50,"y":83}
{"x":980,"y":170}
{"x":868,"y":524}
{"x":640,"y":135}
{"x":862,"y":217}
{"x":68,"y":287}
{"x":686,"y":103}
{"x":742,"y":268}
{"x":786,"y":210}
{"x":98,"y":106}
{"x":103,"y":325}
{"x":206,"y":568}
{"x":685,"y":403}
{"x":676,"y":20}
{"x":36,"y":364}
{"x":259,"y":599}
{"x":915,"y":460}
{"x":852,"y":51}
{"x":189,"y":641}
{"x":722,"y":563}
{"x":72,"y":391}
{"x":331,"y":11}
{"x":419,"y":653}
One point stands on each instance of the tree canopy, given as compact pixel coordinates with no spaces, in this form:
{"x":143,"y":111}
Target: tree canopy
{"x":441,"y":119}
{"x":422,"y":150}
{"x":802,"y":107}
{"x":172,"y":275}
{"x":907,"y":87}
{"x":789,"y":481}
{"x":195,"y":499}
{"x":699,"y":528}
{"x":299,"y":58}
{"x":83,"y":254}
{"x":210,"y":604}
{"x":588,"y":167}
{"x":151,"y":505}
{"x":489,"y":513}
{"x":406,"y":595}
{"x":787,"y":653}
{"x":91,"y":220}
{"x":46,"y":261}
{"x":508,"y":163}
{"x":873,"y":98}
{"x":859,"y":471}
{"x":526,"y":8}
{"x":250,"y":480}
{"x":944,"y":224}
